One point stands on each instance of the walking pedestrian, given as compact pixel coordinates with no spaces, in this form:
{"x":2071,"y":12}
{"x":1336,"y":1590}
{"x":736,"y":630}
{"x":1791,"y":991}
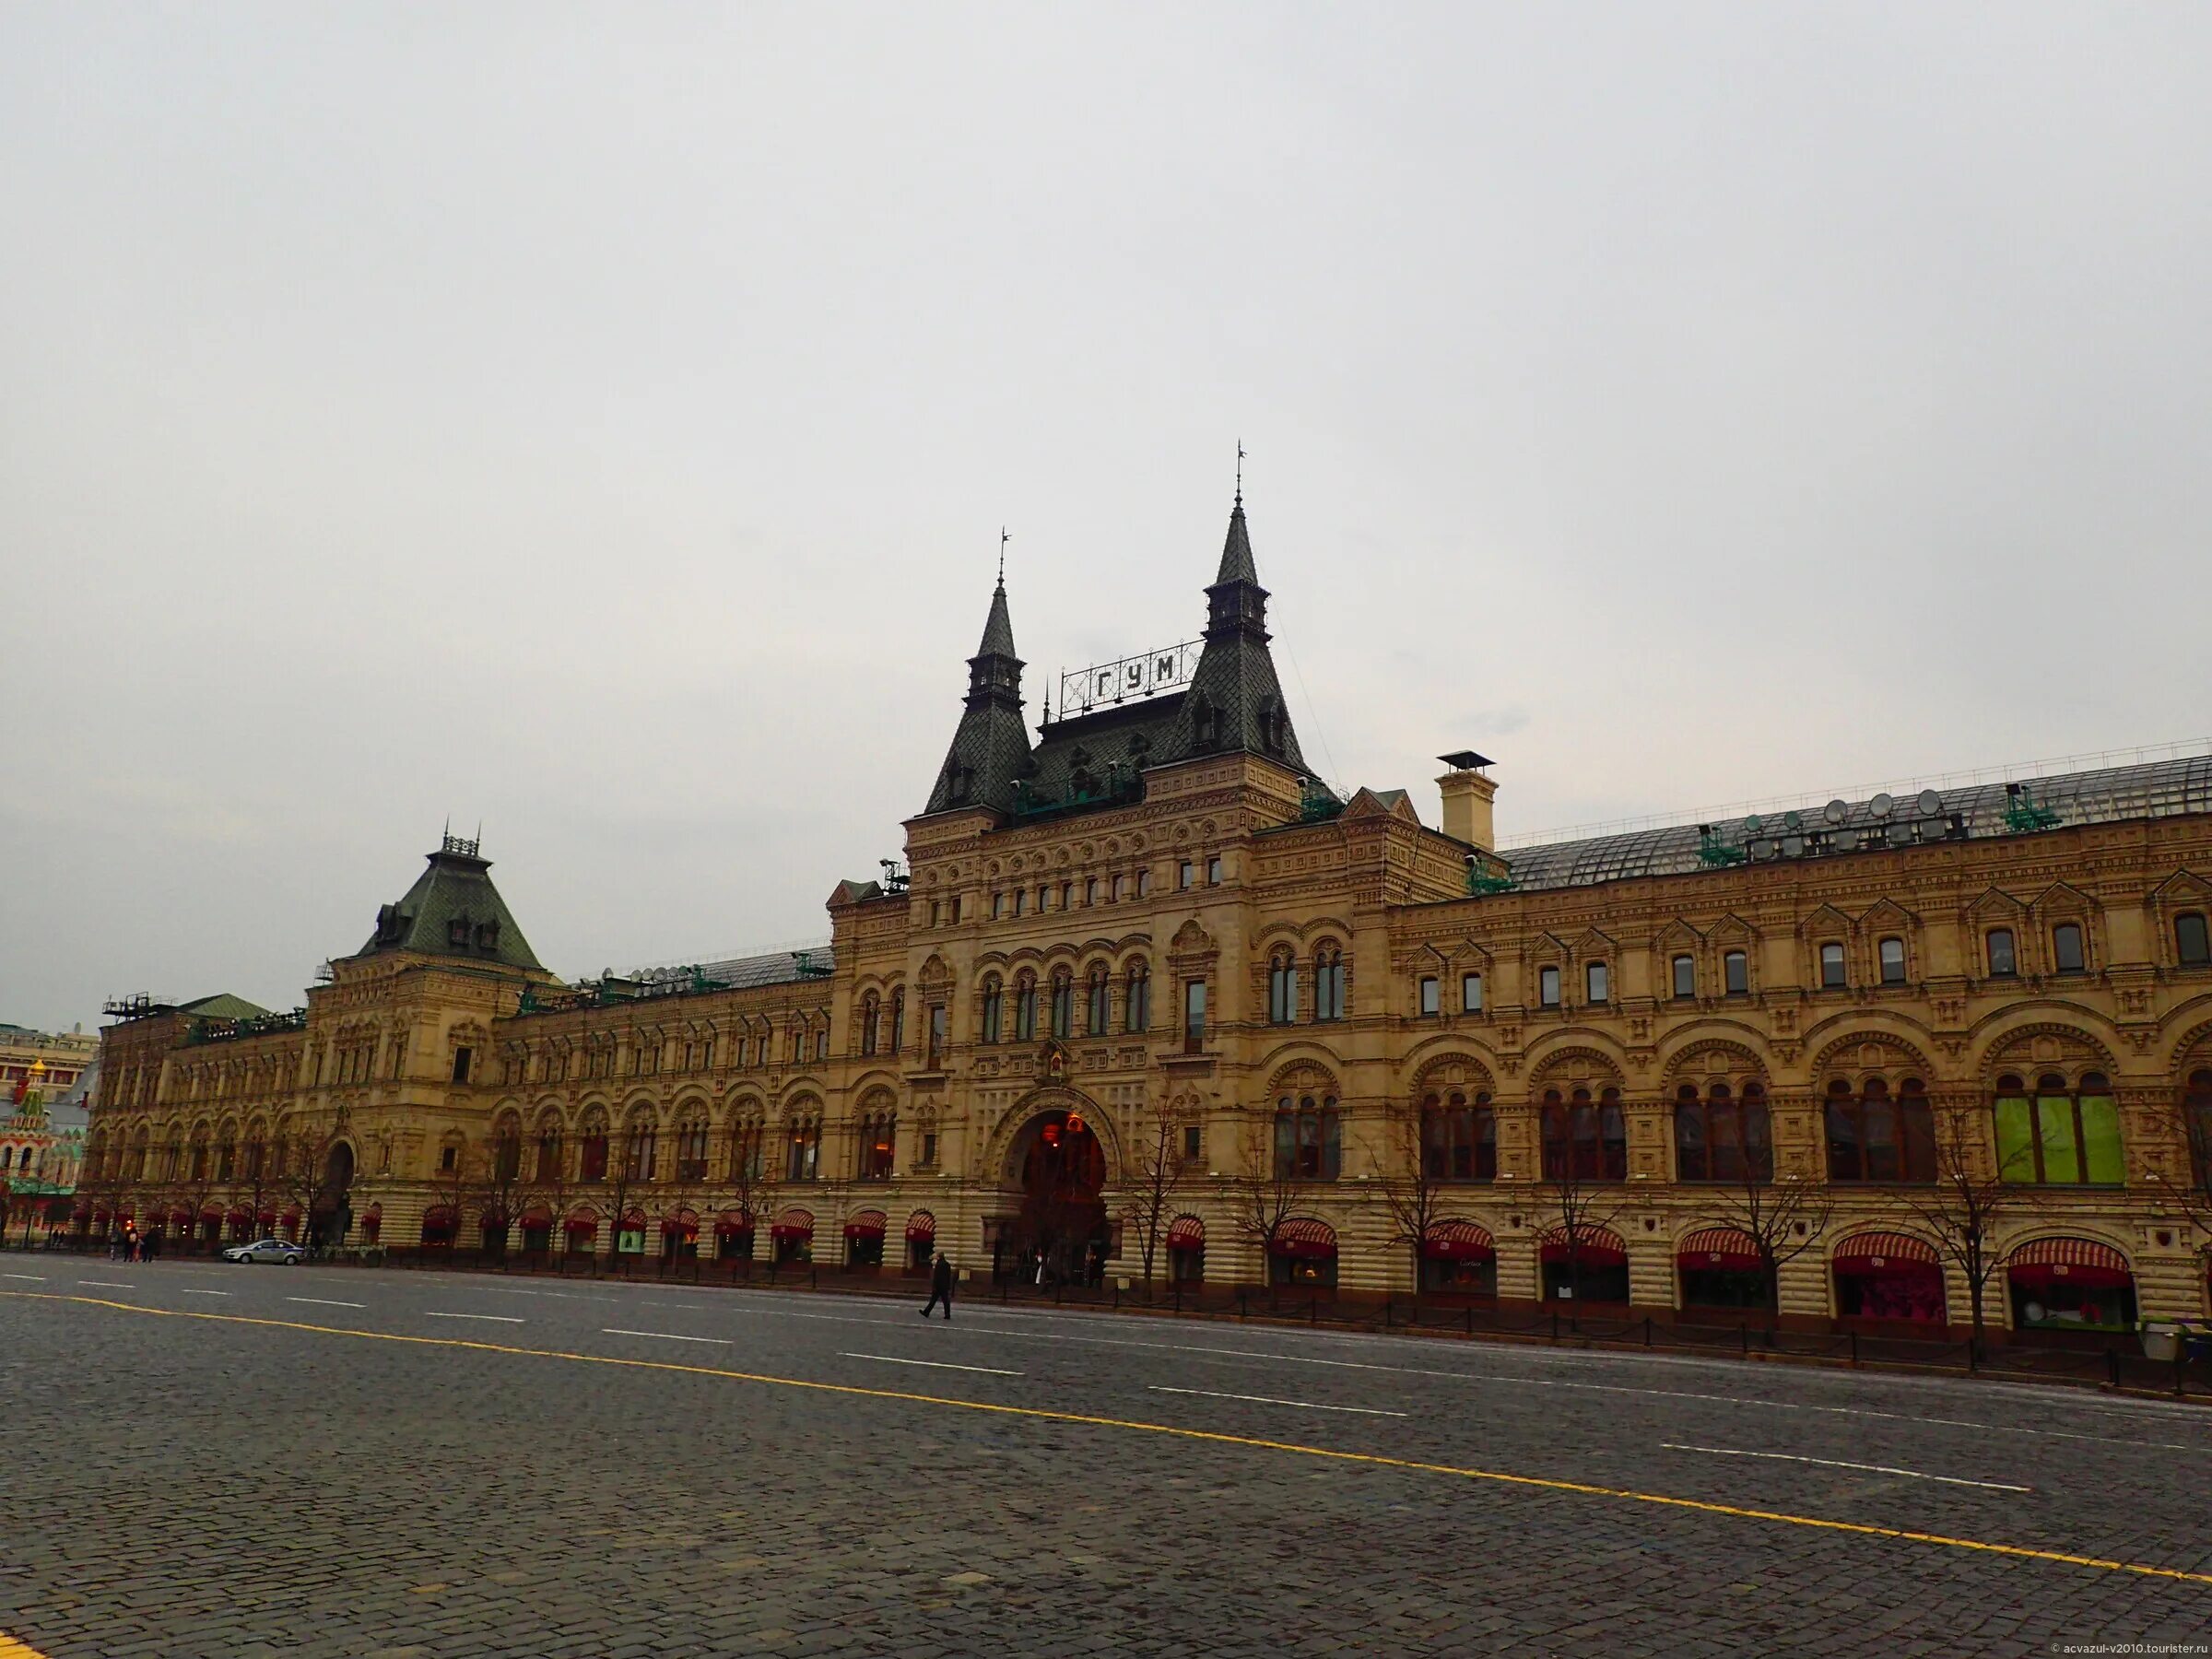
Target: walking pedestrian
{"x":940,"y":1286}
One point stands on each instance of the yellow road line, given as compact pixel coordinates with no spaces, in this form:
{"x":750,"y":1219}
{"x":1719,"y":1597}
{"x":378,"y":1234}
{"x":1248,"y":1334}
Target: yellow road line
{"x":1539,"y":1482}
{"x":12,"y":1649}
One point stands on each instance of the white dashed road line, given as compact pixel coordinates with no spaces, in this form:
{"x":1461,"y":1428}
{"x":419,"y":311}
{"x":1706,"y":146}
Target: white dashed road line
{"x":988,"y":1370}
{"x":320,"y":1302}
{"x":189,"y":1292}
{"x":1830,"y":1463}
{"x":489,"y":1318}
{"x":669,"y":1336}
{"x":1264,"y":1400}
{"x":36,"y":1279}
{"x":107,"y":1285}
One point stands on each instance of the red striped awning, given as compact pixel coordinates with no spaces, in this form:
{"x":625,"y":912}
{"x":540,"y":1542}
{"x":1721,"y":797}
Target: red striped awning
{"x":1597,"y":1246}
{"x":1871,"y":1253}
{"x":1459,"y":1242}
{"x":792,"y":1224}
{"x":2068,"y":1252}
{"x":2083,"y":1264}
{"x":291,"y":1216}
{"x":867,"y":1224}
{"x":180,"y":1217}
{"x":1186,"y":1232}
{"x":920,"y":1228}
{"x":1303,"y":1237}
{"x":239,"y":1214}
{"x":266,"y":1216}
{"x":1720,"y":1247}
{"x":734,"y":1224}
{"x":581,"y":1225}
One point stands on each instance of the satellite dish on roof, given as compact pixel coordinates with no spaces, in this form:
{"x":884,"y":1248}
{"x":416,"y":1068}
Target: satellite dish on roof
{"x":1753,"y":825}
{"x":1929,"y":803}
{"x":1792,"y":820}
{"x":1836,"y":811}
{"x":1880,"y":806}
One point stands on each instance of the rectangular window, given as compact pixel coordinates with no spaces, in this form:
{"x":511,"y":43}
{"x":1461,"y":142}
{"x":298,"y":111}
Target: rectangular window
{"x":1213,"y":874}
{"x":998,"y":906}
{"x":1831,"y":965}
{"x":937,"y":1036}
{"x":1548,"y":987}
{"x":2003,"y":963}
{"x":929,"y":1147}
{"x":461,"y":1059}
{"x":2065,"y":947}
{"x":956,"y":907}
{"x":1685,"y":976}
{"x":2189,"y":941}
{"x":1193,"y":1013}
{"x":1091,"y":889}
{"x":1430,"y":1003}
{"x":1892,"y":954}
{"x":1595,"y":980}
{"x":1019,"y":894}
{"x":1192,"y":1141}
{"x":1121,"y":888}
{"x":936,"y":911}
{"x":1139,"y":1014}
{"x":1470,"y":993}
{"x":1736,"y":969}
{"x":1067,"y":895}
{"x":1144,"y":884}
{"x":1186,"y":875}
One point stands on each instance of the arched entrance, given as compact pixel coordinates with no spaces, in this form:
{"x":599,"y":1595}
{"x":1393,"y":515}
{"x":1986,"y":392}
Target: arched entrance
{"x":333,"y":1215}
{"x":1061,"y":1233}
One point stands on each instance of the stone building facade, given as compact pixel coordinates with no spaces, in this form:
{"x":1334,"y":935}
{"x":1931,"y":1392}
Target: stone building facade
{"x":1146,"y":981}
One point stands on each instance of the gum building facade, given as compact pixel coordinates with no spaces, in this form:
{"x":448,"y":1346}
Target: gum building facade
{"x":1146,"y":986}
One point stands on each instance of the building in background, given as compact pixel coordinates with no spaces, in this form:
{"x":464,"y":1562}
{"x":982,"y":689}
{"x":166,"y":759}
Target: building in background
{"x":48,"y":1080}
{"x":1148,"y":993}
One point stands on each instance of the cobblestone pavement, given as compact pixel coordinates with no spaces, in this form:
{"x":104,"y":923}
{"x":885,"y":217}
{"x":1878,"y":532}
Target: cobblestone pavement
{"x":209,"y":1486}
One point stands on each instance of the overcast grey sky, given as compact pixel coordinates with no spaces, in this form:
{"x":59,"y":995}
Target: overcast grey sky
{"x":599,"y":420}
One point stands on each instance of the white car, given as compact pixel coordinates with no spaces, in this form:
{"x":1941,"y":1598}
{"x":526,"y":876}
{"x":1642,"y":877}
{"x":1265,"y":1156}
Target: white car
{"x":266,"y":1250}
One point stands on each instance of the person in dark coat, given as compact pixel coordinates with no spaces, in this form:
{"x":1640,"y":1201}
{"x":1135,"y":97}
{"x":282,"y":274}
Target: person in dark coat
{"x":940,"y":1286}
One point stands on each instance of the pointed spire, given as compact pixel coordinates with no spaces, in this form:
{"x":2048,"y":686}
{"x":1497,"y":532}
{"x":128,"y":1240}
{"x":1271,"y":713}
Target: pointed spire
{"x":1236,"y":551}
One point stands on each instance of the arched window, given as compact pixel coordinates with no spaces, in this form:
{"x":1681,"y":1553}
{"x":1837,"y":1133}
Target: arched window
{"x":1309,"y":1138}
{"x":1720,"y":1137}
{"x":549,"y":1151}
{"x":2196,"y":1116}
{"x":1102,"y":999}
{"x":592,"y":1158}
{"x":2057,"y":1135}
{"x":1736,"y":973}
{"x":506,"y":1152}
{"x":1137,"y":1011}
{"x":994,"y":1000}
{"x":1328,"y":983}
{"x":1584,"y":1139}
{"x":898,"y":1042}
{"x":868,"y":1010}
{"x":2068,"y":954}
{"x":748,"y":1152}
{"x":1025,"y":1009}
{"x":691,"y":1148}
{"x":2004,"y":959}
{"x":640,"y":1147}
{"x":1063,"y":1002}
{"x":802,"y":1159}
{"x":1890,"y":953}
{"x":1459,"y":1138}
{"x":1282,"y":989}
{"x":878,"y":1139}
{"x":1875,"y":1136}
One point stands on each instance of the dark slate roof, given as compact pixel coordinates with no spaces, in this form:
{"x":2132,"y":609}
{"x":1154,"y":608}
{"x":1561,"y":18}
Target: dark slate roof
{"x":2152,"y":789}
{"x":453,"y":910}
{"x":1236,"y":550}
{"x":998,"y":627}
{"x":222,"y":1005}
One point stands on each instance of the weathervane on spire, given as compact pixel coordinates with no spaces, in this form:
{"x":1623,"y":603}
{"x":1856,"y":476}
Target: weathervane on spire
{"x":1003,"y":539}
{"x":1240,"y":470}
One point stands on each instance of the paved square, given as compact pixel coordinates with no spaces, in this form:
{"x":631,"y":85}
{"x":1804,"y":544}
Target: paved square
{"x":325,"y":1461}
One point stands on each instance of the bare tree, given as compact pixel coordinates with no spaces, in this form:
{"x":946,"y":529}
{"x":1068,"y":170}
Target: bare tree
{"x":1414,"y":1190}
{"x":1783,"y":1218}
{"x":1971,"y":1191}
{"x":1268,"y":1194}
{"x":1156,"y":1173}
{"x":750,"y":1181}
{"x":302,"y":1159}
{"x":1586,"y":1200}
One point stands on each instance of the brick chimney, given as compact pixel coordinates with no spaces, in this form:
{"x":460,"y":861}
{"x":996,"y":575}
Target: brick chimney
{"x":1468,"y":792}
